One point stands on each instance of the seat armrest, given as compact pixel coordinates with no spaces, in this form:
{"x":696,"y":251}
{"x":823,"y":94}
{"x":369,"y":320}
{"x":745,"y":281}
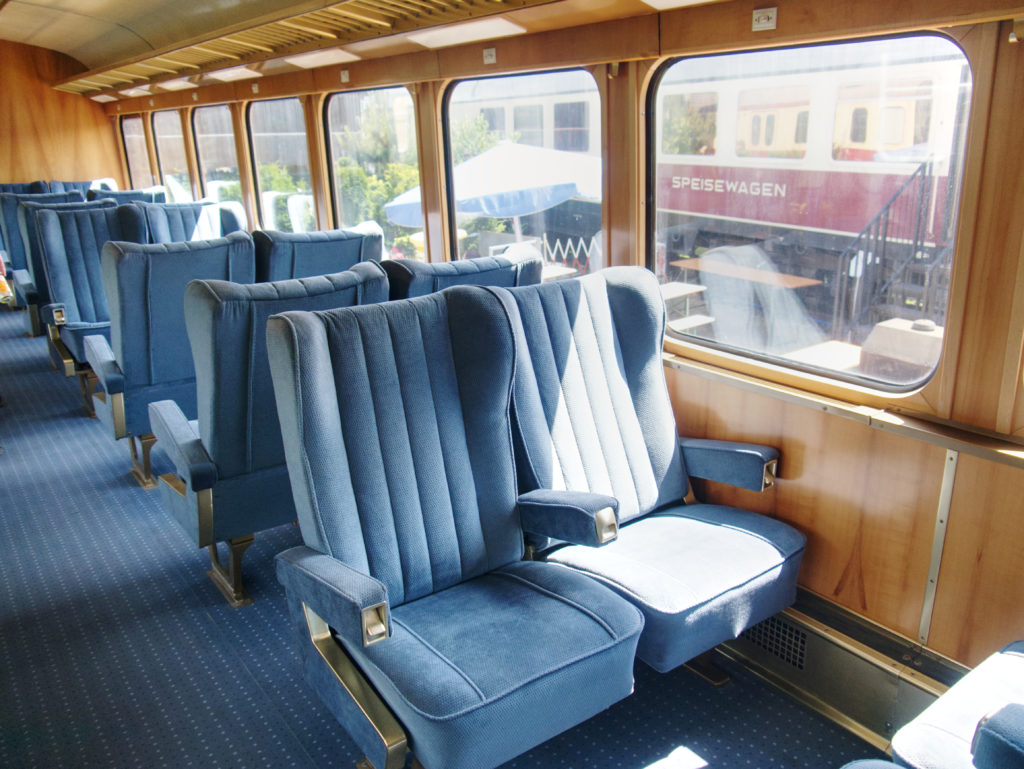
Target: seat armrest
{"x":104,"y":364}
{"x":354,"y":604}
{"x":746,"y":465}
{"x":52,"y":314}
{"x":579,"y":517}
{"x":25,"y":286}
{"x":999,"y":739}
{"x":180,"y":442}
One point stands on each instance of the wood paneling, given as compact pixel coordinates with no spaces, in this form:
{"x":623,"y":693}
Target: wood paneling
{"x":978,"y":604}
{"x":47,"y":134}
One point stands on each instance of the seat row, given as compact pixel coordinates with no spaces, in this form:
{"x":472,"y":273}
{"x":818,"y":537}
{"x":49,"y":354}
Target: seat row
{"x":497,"y":515}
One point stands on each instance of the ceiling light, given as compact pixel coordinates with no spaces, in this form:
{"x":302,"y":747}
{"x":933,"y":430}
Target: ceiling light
{"x":472,"y":31}
{"x":666,"y":5}
{"x":323,"y":58}
{"x":178,"y":84}
{"x":103,"y":97}
{"x":142,"y":90}
{"x":233,"y":73}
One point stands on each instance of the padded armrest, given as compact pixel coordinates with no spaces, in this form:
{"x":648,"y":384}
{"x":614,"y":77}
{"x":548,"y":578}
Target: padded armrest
{"x":104,"y":364}
{"x":746,"y":465}
{"x":25,"y":286}
{"x":52,"y":314}
{"x":354,"y":604}
{"x":181,"y":443}
{"x":579,"y":517}
{"x":999,"y":739}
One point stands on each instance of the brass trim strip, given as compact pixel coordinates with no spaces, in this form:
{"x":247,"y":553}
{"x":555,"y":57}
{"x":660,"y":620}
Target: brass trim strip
{"x":938,"y":542}
{"x":375,"y":710}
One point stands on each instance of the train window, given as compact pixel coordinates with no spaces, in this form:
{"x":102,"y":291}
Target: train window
{"x":214,"y":135}
{"x":688,"y":123}
{"x":280,"y":155}
{"x":372,"y":155}
{"x":528,"y":124}
{"x":509,"y":190}
{"x":133,"y":134}
{"x":170,"y":156}
{"x":796,"y":255}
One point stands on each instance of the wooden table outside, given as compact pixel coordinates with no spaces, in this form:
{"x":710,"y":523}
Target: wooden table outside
{"x":752,"y":274}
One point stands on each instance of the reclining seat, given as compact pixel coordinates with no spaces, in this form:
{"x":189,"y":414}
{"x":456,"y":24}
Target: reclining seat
{"x":180,"y":222}
{"x":230,"y":478}
{"x":123,"y":197}
{"x":71,"y":243}
{"x":396,"y":432}
{"x":37,"y":291}
{"x":411,"y":277}
{"x":592,"y":414}
{"x":283,"y":255}
{"x":147,"y":357}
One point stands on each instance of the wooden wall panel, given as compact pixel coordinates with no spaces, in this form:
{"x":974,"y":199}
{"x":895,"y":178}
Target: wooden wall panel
{"x":865,"y":498}
{"x":49,"y":134}
{"x":979,"y":604}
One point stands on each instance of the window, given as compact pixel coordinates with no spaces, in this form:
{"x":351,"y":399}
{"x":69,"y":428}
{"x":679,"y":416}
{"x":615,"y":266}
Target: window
{"x":527,"y":188}
{"x":170,"y":153}
{"x":215,"y":150}
{"x":133,"y":133}
{"x":280,"y":155}
{"x":688,"y":122}
{"x":494,"y":119}
{"x":790,"y":253}
{"x":371,"y":145}
{"x":571,"y":121}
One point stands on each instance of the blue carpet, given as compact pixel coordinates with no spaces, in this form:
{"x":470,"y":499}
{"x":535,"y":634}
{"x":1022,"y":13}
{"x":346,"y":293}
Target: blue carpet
{"x":117,"y":651}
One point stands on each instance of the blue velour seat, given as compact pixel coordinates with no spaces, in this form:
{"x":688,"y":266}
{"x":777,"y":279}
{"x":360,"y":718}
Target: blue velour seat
{"x":283,"y":255}
{"x":20,"y":188}
{"x":593,"y":416}
{"x":179,"y":222}
{"x":396,"y":430}
{"x":56,"y":185}
{"x":35,"y":289}
{"x":147,"y":357}
{"x":71,"y":243}
{"x":410,"y":277}
{"x":230,"y":478}
{"x":123,"y":197}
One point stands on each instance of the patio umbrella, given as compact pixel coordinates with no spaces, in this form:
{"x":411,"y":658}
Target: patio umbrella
{"x":510,"y":180}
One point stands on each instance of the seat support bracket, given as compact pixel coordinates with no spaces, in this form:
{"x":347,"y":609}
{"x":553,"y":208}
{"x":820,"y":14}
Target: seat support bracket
{"x":229,"y":580}
{"x":142,"y":469}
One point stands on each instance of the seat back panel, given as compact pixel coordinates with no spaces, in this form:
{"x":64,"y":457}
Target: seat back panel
{"x":284,"y":255}
{"x":13,"y":239}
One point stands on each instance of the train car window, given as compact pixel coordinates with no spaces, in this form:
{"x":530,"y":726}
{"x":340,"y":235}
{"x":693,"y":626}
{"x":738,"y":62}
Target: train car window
{"x":688,"y":123}
{"x":372,"y":155}
{"x":280,"y":156}
{"x":170,"y":155}
{"x":215,"y":150}
{"x":133,"y":134}
{"x":831,"y":255}
{"x":525,"y":185}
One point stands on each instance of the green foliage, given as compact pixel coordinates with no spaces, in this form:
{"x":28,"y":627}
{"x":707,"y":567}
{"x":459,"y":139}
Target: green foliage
{"x":275,"y":177}
{"x":687,"y":130}
{"x":363,"y":195}
{"x":470,"y":137}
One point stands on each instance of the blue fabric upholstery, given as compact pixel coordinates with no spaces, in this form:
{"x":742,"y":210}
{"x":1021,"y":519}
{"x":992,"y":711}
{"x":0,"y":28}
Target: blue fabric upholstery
{"x":409,"y":277}
{"x":71,"y":243}
{"x":283,"y":255}
{"x":569,"y":516}
{"x":396,"y":429}
{"x":592,"y":413}
{"x":145,"y":289}
{"x":999,"y":739}
{"x":238,"y":433}
{"x":941,"y":737}
{"x":179,"y":222}
{"x":9,"y":201}
{"x":59,"y":186}
{"x":123,"y":197}
{"x":737,"y":464}
{"x":23,"y":188}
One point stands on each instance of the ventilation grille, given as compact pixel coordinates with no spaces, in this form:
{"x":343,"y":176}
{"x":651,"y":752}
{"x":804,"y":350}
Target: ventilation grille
{"x":781,"y":639}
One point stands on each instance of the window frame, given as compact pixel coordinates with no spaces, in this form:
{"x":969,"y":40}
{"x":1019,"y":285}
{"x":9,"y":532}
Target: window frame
{"x":128,"y":155}
{"x":257,"y":189}
{"x":184,"y":151}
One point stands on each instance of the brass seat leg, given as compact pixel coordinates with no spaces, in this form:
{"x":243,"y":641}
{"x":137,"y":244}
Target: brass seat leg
{"x":704,"y":665}
{"x":229,"y":580}
{"x":142,"y":470}
{"x":86,"y":384}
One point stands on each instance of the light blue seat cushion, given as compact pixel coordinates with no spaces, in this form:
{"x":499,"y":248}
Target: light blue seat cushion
{"x":410,"y":277}
{"x":285,"y":255}
{"x":17,"y":249}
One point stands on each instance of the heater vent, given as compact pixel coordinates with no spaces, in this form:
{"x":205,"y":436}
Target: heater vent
{"x":781,"y":639}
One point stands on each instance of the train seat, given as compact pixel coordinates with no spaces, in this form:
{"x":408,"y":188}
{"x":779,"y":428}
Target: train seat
{"x":594,"y":425}
{"x":396,"y":429}
{"x":81,"y":186}
{"x":147,"y":357}
{"x":122,"y":197}
{"x":410,"y":277}
{"x":284,"y":255}
{"x":71,"y":243}
{"x":180,"y":222}
{"x":243,"y":485}
{"x":977,"y":724}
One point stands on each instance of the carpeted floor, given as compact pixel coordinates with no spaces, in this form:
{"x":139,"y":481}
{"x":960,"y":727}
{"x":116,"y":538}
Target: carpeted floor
{"x":117,"y":651}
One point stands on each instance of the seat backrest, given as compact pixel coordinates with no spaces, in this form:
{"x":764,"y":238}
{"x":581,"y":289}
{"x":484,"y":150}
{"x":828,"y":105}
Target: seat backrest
{"x":283,"y":255}
{"x":145,"y":287}
{"x":59,"y":186}
{"x":227,"y":328}
{"x":409,"y":277}
{"x":395,"y":425}
{"x":71,"y":243}
{"x":591,"y":407}
{"x":128,"y":196}
{"x":179,"y":222}
{"x":9,"y":202}
{"x":24,"y":188}
{"x":27,"y":213}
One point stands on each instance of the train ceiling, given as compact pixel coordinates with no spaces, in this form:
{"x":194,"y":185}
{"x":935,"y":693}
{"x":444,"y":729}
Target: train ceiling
{"x":133,"y":47}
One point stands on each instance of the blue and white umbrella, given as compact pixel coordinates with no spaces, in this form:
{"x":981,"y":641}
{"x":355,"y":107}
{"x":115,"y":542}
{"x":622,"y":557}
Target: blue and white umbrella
{"x":510,"y":180}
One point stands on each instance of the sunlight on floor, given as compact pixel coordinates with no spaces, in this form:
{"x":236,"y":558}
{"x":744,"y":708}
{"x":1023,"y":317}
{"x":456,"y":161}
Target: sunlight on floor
{"x":680,"y":758}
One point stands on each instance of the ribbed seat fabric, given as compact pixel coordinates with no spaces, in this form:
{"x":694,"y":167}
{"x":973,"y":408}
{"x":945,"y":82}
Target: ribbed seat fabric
{"x":179,"y":222}
{"x":9,"y":201}
{"x":592,"y":414}
{"x":396,"y":429}
{"x":284,"y":255}
{"x":410,"y":277}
